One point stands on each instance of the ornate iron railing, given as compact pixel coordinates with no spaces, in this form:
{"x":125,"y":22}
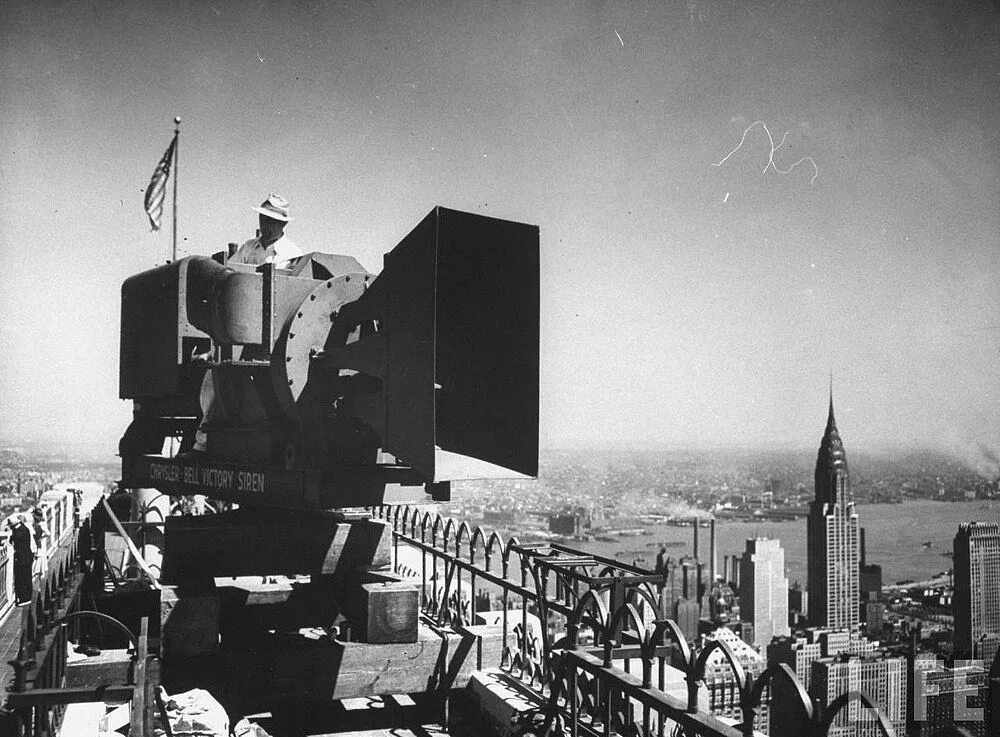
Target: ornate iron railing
{"x":36,"y":693}
{"x":54,"y":523}
{"x":6,"y":577}
{"x":42,"y":649}
{"x":570,"y":597}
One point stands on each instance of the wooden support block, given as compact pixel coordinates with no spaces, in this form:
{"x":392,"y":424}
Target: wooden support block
{"x":189,"y":622}
{"x":248,"y":542}
{"x":286,"y":668}
{"x":382,"y":608}
{"x":250,"y":607}
{"x":388,"y":613}
{"x":110,"y":667}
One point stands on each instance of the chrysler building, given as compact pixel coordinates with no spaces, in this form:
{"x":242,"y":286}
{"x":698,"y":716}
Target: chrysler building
{"x":833,"y":554}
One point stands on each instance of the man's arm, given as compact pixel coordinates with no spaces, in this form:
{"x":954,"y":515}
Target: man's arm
{"x":248,"y":253}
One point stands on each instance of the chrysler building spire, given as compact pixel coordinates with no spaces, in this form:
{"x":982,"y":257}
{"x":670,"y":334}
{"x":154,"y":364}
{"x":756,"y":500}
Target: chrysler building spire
{"x":833,"y":552}
{"x":832,"y":476}
{"x":831,"y":423}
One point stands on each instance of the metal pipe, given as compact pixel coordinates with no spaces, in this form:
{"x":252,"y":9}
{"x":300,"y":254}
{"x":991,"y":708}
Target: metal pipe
{"x":700,"y":589}
{"x":711,"y":552}
{"x":177,"y":145}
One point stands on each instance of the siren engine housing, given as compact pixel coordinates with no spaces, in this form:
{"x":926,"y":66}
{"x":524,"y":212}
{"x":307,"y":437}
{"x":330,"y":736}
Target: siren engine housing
{"x":337,"y":382}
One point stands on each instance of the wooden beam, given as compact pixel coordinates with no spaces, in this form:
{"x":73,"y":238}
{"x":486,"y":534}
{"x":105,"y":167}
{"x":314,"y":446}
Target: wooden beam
{"x":289,"y":668}
{"x":141,"y":722}
{"x":271,"y":487}
{"x":249,"y":542}
{"x":111,"y":666}
{"x":73,"y":695}
{"x":249,"y":608}
{"x":380,"y":607}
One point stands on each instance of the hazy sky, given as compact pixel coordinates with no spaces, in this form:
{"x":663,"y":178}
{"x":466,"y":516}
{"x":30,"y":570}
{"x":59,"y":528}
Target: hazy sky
{"x":682,"y":303}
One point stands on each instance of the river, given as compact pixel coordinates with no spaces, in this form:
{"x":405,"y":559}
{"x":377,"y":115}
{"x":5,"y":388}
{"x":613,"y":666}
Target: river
{"x":895,"y":537}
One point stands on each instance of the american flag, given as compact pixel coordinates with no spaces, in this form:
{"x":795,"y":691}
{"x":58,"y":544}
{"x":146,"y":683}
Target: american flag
{"x":157,"y":189}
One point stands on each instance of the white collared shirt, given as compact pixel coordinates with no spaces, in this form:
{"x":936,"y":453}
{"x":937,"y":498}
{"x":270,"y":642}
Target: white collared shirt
{"x":280,"y":253}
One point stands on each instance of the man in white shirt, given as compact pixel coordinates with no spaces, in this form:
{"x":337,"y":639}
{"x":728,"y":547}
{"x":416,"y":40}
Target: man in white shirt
{"x":271,"y":244}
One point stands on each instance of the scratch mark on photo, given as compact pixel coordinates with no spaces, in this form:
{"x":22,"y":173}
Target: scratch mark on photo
{"x":770,"y":158}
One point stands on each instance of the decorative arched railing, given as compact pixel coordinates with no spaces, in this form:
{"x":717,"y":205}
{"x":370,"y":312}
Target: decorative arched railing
{"x":53,"y":520}
{"x":35,"y":690}
{"x":575,"y":626}
{"x":844,"y":701}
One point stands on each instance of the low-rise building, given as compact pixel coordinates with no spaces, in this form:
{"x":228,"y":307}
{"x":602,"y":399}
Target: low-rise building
{"x":723,"y":694}
{"x":882,"y":677}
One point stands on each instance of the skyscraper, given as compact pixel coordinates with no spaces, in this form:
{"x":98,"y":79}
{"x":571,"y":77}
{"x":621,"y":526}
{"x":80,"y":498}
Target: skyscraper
{"x":882,"y":677}
{"x":833,"y":552}
{"x":764,"y":590}
{"x":976,"y":603}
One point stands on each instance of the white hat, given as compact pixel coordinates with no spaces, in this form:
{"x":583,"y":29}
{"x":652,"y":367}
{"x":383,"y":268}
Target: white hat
{"x":274,"y":207}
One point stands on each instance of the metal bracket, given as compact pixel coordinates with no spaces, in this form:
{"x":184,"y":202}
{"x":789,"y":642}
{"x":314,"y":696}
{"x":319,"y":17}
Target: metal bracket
{"x":267,"y":307}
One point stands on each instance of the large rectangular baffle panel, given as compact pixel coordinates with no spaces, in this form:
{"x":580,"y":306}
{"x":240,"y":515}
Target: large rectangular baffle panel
{"x":462,"y":356}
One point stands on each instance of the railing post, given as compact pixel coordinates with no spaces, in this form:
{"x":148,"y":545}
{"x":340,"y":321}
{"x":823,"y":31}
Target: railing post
{"x":473,"y":603}
{"x":423,"y":565}
{"x":574,"y":710}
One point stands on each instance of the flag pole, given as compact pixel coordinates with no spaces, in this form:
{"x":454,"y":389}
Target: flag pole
{"x":177,"y":139}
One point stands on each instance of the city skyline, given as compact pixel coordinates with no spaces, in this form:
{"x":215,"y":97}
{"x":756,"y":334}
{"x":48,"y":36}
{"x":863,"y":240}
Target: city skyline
{"x":831,"y":661}
{"x":693,"y":295}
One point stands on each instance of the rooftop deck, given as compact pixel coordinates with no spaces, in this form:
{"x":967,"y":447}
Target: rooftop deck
{"x":581,"y":648}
